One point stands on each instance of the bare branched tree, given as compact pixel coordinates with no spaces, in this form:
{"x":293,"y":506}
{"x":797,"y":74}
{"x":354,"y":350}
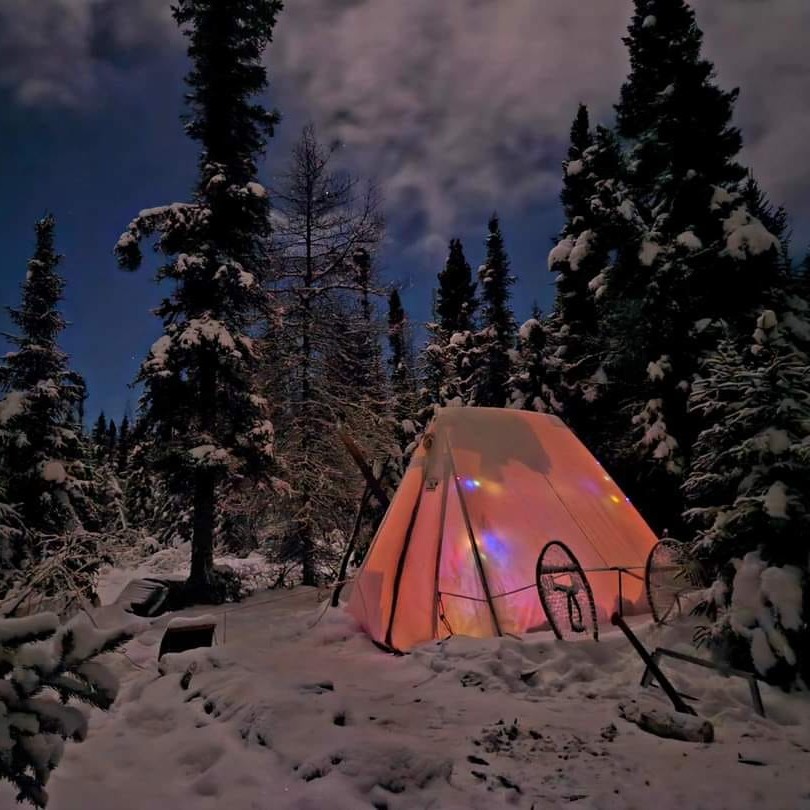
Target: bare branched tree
{"x":327,"y":229}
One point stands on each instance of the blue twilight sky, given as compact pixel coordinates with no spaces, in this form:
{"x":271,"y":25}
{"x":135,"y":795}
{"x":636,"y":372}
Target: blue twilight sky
{"x":454,"y":111}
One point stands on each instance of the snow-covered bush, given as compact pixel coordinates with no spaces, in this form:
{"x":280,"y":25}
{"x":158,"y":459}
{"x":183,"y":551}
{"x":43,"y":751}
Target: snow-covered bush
{"x":42,"y":667}
{"x":63,"y":580}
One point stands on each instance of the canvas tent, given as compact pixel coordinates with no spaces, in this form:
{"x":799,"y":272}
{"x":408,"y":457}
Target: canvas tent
{"x":485,"y":492}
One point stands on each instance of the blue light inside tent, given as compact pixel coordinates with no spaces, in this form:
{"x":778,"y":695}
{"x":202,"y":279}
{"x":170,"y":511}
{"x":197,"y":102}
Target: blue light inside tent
{"x":495,"y":547}
{"x":472,"y":483}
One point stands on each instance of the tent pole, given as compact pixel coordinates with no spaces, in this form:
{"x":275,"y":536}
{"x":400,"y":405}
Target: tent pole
{"x":347,"y":555}
{"x":471,"y":534}
{"x":442,"y":515}
{"x":401,"y":562}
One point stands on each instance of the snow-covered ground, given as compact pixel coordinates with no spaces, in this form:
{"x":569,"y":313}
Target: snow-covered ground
{"x":295,"y":708}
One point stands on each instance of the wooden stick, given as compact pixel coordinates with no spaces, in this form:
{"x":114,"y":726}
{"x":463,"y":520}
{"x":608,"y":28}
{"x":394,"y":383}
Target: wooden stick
{"x":677,"y":701}
{"x":357,"y":454}
{"x":347,"y":555}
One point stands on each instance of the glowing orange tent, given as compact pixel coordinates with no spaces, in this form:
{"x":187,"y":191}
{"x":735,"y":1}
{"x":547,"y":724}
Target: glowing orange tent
{"x":484,"y":493}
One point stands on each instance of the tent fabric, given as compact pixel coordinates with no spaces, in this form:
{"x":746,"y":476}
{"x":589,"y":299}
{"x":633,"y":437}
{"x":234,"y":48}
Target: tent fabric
{"x":485,"y":491}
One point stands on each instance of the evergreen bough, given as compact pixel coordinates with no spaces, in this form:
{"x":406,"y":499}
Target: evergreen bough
{"x":44,"y":670}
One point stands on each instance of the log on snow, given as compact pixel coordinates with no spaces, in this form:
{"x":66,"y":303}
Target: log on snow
{"x":663,"y":723}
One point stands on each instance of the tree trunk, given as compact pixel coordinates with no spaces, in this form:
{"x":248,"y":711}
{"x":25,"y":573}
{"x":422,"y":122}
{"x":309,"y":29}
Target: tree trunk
{"x":200,"y":580}
{"x":308,"y":574}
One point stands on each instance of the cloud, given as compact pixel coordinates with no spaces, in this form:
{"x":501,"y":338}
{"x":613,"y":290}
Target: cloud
{"x":54,"y":52}
{"x":455,"y":106}
{"x":465,"y":105}
{"x":760,"y":46}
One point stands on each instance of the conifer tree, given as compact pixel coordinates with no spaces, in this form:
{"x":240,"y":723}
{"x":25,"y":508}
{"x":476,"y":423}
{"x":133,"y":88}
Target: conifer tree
{"x":598,"y":215}
{"x":450,"y":356}
{"x":45,"y":670}
{"x":495,"y":341}
{"x":403,"y":404}
{"x":529,"y":385}
{"x":398,"y":352}
{"x":99,"y":436}
{"x":455,"y":301}
{"x":749,"y":495}
{"x":122,"y":457}
{"x":112,"y":440}
{"x":693,"y":239}
{"x":200,"y":405}
{"x":13,"y":538}
{"x":41,"y":454}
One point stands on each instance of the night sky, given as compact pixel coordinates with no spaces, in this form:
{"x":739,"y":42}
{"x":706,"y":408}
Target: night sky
{"x":454,"y":108}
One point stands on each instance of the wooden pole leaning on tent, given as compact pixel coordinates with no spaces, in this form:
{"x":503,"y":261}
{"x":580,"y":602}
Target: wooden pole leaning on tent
{"x":357,"y":454}
{"x":347,"y":554}
{"x":374,"y":488}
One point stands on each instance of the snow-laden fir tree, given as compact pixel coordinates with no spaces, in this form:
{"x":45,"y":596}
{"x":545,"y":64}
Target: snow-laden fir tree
{"x":403,"y":404}
{"x":124,"y":446}
{"x":13,"y":539}
{"x":328,"y":227}
{"x":450,"y":357}
{"x":43,"y":667}
{"x":98,"y":437}
{"x":157,"y":505}
{"x":693,"y":240}
{"x":533,"y":366}
{"x":598,"y":215}
{"x":748,"y":494}
{"x":363,"y":372}
{"x":42,"y":457}
{"x":200,"y":406}
{"x":495,"y":339}
{"x":112,"y":440}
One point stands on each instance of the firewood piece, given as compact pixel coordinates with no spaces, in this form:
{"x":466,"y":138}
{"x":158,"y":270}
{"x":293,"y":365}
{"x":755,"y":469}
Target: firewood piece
{"x":677,"y":726}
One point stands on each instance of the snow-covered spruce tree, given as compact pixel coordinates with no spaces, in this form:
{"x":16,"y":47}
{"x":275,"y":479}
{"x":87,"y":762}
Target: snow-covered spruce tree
{"x":450,"y":357}
{"x":694,"y":239}
{"x":495,"y":339}
{"x":328,"y":227}
{"x":112,"y":440}
{"x":403,"y":404}
{"x":774,"y":218}
{"x":748,"y":495}
{"x":40,"y":661}
{"x":124,"y":447}
{"x":363,"y":372}
{"x":158,"y":505}
{"x":98,"y":437}
{"x":533,"y":365}
{"x":200,"y":407}
{"x":42,"y":459}
{"x":12,"y":539}
{"x":598,"y":215}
